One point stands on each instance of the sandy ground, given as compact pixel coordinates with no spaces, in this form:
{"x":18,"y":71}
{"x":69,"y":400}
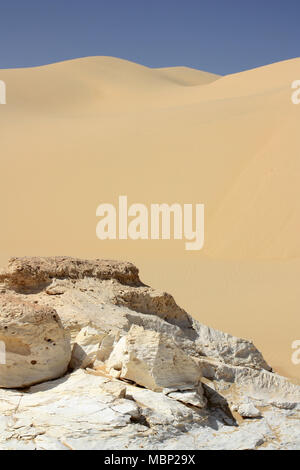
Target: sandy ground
{"x":80,"y":133}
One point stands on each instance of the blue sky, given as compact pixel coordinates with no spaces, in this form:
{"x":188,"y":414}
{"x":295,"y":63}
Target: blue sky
{"x":221,"y":36}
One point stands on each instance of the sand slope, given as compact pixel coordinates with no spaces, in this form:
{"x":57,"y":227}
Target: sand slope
{"x":187,"y":76}
{"x":79,"y":133}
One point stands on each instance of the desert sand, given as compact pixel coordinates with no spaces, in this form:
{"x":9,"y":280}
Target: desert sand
{"x":80,"y":133}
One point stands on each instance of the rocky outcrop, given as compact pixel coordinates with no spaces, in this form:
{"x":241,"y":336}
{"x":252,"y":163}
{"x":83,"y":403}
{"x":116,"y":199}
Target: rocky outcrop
{"x":23,"y":273}
{"x":109,"y":295}
{"x":37,"y":348}
{"x":143,"y":372}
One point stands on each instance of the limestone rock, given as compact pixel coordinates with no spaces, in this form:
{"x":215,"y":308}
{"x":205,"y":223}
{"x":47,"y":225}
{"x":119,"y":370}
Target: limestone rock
{"x":152,"y":360}
{"x":23,"y":273}
{"x":243,"y":384}
{"x":86,"y":347}
{"x":116,"y":389}
{"x":80,"y":412}
{"x":110,"y":295}
{"x":130,"y":336}
{"x":228,"y":349}
{"x":248,"y":410}
{"x":37,"y":347}
{"x":190,"y":397}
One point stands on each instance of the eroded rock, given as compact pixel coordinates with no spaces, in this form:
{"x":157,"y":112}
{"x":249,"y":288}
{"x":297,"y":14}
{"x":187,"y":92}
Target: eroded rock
{"x":151,"y":359}
{"x":22,"y":273}
{"x":86,"y":347}
{"x":37,"y":348}
{"x":145,"y":356}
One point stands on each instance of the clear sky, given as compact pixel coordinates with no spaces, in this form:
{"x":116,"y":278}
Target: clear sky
{"x":221,"y":36}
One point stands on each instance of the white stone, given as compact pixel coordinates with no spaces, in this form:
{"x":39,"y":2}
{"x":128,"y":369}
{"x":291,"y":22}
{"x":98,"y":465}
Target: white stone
{"x":37,"y":348}
{"x":86,"y":347}
{"x":248,"y":410}
{"x":190,"y":397}
{"x":152,"y":360}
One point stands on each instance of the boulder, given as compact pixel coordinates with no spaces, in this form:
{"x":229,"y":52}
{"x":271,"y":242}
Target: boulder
{"x":152,"y":360}
{"x":37,"y":348}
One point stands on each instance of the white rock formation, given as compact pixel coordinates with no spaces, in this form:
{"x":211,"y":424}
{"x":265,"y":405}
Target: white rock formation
{"x":129,"y":336}
{"x":79,"y":411}
{"x":86,"y":347}
{"x":151,"y":359}
{"x":37,"y":348}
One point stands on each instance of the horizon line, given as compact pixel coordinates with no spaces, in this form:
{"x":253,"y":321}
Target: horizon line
{"x":61,"y":61}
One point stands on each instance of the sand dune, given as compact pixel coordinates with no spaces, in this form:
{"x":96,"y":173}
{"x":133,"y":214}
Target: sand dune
{"x":83,"y":132}
{"x":99,"y":84}
{"x":187,"y":76}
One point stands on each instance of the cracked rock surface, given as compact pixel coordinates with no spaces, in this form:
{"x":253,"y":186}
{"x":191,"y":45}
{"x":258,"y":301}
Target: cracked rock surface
{"x":110,"y":363}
